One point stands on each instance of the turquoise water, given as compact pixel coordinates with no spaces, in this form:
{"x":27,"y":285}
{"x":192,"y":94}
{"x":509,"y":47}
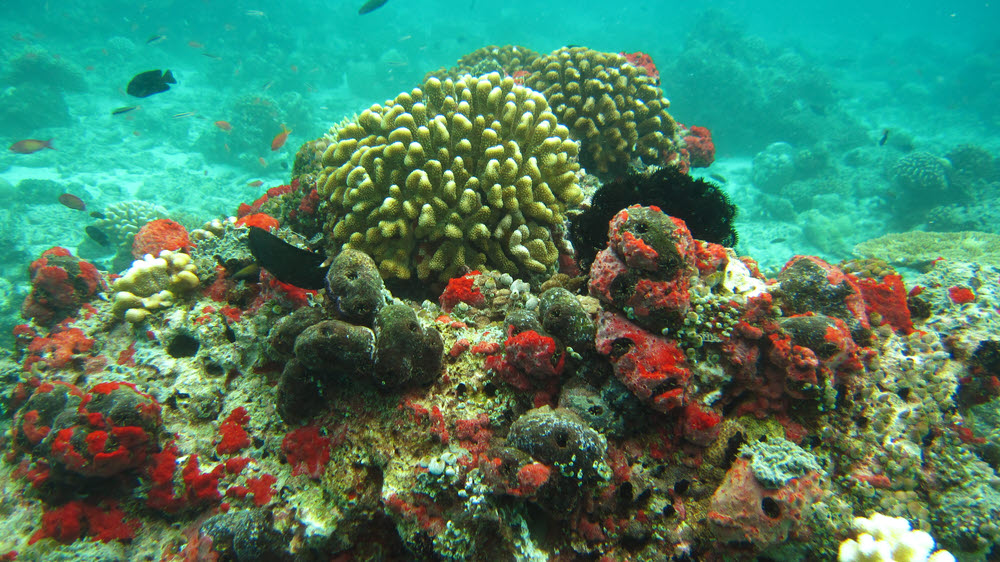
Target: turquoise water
{"x":833,"y":75}
{"x":834,"y":123}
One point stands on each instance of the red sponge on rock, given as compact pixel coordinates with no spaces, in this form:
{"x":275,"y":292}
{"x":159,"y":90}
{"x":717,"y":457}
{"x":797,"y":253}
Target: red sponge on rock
{"x":156,"y":236}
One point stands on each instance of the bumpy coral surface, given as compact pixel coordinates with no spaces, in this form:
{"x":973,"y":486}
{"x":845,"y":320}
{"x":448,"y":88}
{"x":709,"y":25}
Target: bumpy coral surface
{"x":455,"y":174}
{"x":153,"y":283}
{"x":156,"y":236}
{"x":509,"y":60}
{"x":60,"y":284}
{"x":108,"y":430}
{"x":614,"y":108}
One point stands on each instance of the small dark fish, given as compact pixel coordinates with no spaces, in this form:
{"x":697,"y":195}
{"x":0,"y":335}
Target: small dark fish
{"x":288,"y":263}
{"x":125,"y":109}
{"x":211,"y":56}
{"x":778,"y":240}
{"x":885,"y":137}
{"x":150,"y":82}
{"x":155,"y":39}
{"x":718,"y":177}
{"x":97,"y":235}
{"x":72,"y":201}
{"x":371,"y":6}
{"x":98,"y":215}
{"x":230,"y":334}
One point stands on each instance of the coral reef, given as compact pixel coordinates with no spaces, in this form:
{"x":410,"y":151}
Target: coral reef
{"x":254,"y":120}
{"x":60,"y":284}
{"x":457,"y":174}
{"x":771,"y":94}
{"x":40,"y":69}
{"x":508,"y":60}
{"x":704,"y":207}
{"x":774,"y":167}
{"x":744,"y":511}
{"x":613,"y":108}
{"x":923,"y":180}
{"x":666,"y":401}
{"x":121,"y":221}
{"x":26,"y":110}
{"x":153,"y":283}
{"x":971,"y":169}
{"x":34,"y":94}
{"x":777,"y":461}
{"x":889,"y":538}
{"x":357,"y":292}
{"x":919,"y":250}
{"x":159,"y":235}
{"x":108,"y":430}
{"x":685,"y":404}
{"x":406,"y":353}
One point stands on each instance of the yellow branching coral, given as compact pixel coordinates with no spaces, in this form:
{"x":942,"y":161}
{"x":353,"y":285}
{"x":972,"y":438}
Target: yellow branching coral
{"x":472,"y":173}
{"x":506,"y":60}
{"x":613,"y":108}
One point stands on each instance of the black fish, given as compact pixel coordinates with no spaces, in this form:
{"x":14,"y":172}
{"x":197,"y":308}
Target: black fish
{"x":97,"y":235}
{"x":289,"y":264}
{"x":125,"y":109}
{"x":885,"y":137}
{"x":97,"y":214}
{"x":150,"y":82}
{"x":371,"y":6}
{"x":155,"y":39}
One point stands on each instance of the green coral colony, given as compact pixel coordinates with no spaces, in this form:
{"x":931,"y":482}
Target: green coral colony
{"x":669,"y":403}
